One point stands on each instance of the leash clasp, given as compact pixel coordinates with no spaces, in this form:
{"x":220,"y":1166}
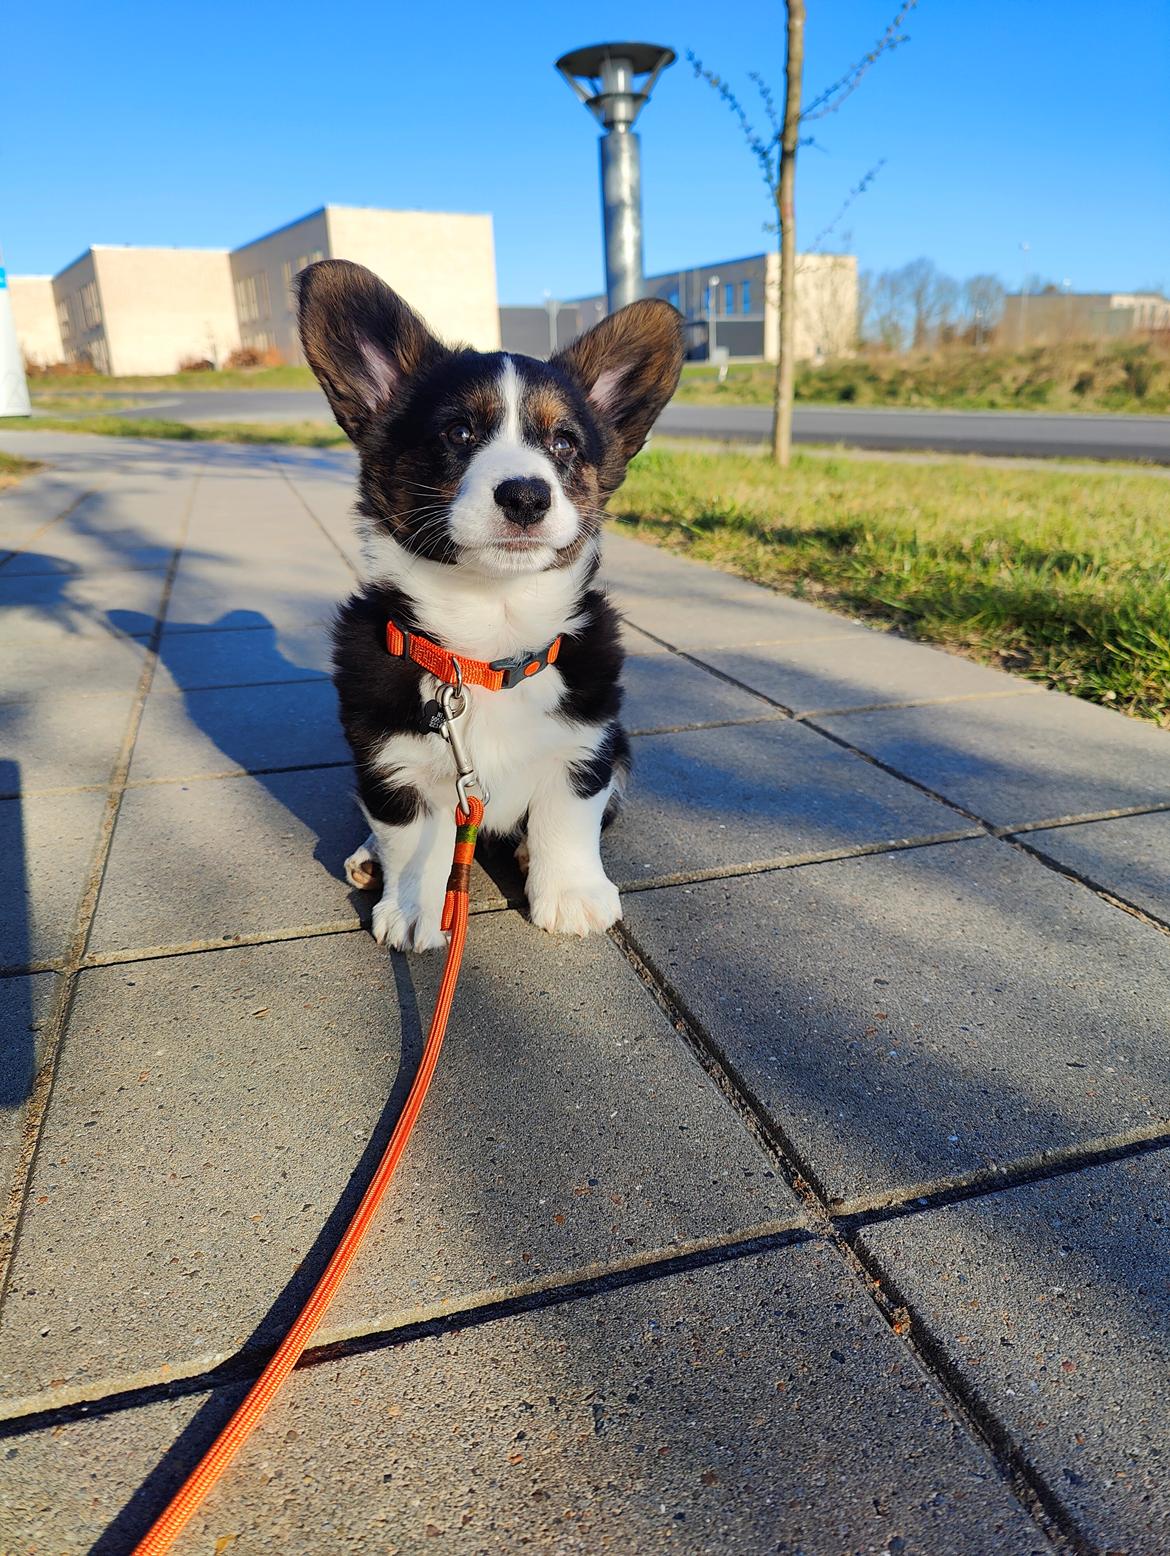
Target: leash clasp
{"x":453,"y":702}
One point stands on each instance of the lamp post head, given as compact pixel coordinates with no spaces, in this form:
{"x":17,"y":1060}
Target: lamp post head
{"x":604,"y":77}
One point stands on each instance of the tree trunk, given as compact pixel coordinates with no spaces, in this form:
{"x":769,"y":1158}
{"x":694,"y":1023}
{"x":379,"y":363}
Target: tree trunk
{"x":786,"y":217}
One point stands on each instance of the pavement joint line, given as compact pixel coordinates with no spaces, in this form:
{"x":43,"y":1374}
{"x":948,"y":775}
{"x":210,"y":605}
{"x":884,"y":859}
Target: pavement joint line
{"x":1121,"y":813}
{"x":681,"y":729}
{"x":108,"y":1396}
{"x":1000,"y":1177}
{"x":55,"y":789}
{"x":48,"y":524}
{"x":731,"y":872}
{"x":918,"y":702}
{"x":40,"y":1092}
{"x":259,"y":937}
{"x":27,"y":969}
{"x":1028,"y":1486}
{"x":239,"y":772}
{"x":235,"y":686}
{"x":1058,"y":867}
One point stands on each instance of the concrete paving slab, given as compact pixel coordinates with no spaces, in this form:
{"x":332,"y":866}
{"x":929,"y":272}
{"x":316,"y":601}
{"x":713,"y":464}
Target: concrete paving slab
{"x":173,"y":1204}
{"x":57,"y":660}
{"x":135,"y":522}
{"x":664,"y":1419}
{"x":1051,"y":1302}
{"x":914,"y":1016}
{"x":63,"y":607}
{"x":664,"y":691}
{"x":691,"y":606}
{"x":1020,"y":759}
{"x":246,"y":652}
{"x":217,"y":858}
{"x":754,"y":793}
{"x":298,"y":592}
{"x":1129,"y":857}
{"x":860,"y":671}
{"x":61,"y":740}
{"x":47,"y":842}
{"x":239,"y":728}
{"x":26,"y":1003}
{"x":39,"y":499}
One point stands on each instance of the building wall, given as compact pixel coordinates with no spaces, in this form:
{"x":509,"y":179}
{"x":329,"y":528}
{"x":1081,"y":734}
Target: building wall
{"x":262,"y":278}
{"x":34,"y":311}
{"x":164,"y":306}
{"x":80,"y":315}
{"x":144,"y":310}
{"x":443,"y":264}
{"x":745,"y":304}
{"x":1056,"y":318}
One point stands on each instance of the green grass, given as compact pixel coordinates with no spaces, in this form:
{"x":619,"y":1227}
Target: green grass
{"x":304,"y":434}
{"x":13,"y":468}
{"x":1125,"y":377}
{"x":1063,"y":577}
{"x":225,"y":378}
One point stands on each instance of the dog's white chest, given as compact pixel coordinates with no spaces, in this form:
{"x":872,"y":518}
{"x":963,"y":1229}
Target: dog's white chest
{"x":515,"y":739}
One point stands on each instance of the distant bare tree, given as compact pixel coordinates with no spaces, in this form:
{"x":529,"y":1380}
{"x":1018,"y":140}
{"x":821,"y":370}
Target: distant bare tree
{"x":982,"y":306}
{"x":775,"y":153}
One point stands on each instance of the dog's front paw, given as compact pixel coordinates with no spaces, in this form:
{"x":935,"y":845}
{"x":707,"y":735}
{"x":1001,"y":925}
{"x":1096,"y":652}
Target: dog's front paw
{"x":583,"y":908}
{"x":363,"y":868}
{"x":406,"y":926}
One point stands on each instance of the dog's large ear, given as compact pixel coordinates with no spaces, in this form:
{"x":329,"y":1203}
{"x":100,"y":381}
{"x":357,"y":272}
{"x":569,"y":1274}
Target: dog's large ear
{"x":362,"y":341}
{"x":629,"y":366}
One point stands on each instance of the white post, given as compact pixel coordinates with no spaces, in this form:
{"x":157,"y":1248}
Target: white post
{"x":14,"y":399}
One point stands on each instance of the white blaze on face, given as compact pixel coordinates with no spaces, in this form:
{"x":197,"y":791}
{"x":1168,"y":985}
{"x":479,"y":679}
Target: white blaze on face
{"x":479,"y":527}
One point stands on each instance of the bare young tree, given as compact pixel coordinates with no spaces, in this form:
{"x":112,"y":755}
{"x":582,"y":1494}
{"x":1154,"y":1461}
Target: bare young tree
{"x":775,"y":153}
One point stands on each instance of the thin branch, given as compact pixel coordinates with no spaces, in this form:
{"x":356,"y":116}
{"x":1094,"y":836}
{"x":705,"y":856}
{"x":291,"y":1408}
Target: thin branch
{"x":854,"y":194}
{"x":831,"y":99}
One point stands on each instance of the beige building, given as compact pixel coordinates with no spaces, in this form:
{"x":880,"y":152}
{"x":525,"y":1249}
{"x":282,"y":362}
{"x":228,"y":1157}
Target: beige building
{"x":442,"y":263}
{"x":139,"y":310}
{"x":1051,"y":318}
{"x":34,"y":310}
{"x":146,"y":310}
{"x":733,"y":304}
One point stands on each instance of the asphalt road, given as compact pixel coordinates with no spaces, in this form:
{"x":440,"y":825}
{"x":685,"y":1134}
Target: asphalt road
{"x":1031,"y":433}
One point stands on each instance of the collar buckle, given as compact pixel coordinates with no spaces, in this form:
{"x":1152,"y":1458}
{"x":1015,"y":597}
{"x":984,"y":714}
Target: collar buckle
{"x":518,"y":667}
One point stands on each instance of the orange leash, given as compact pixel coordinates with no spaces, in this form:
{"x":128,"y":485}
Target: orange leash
{"x":170,"y":1523}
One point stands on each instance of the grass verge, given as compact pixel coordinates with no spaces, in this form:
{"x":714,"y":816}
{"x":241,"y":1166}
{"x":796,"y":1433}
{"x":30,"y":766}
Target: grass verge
{"x":13,"y":468}
{"x":1063,"y":577}
{"x":304,"y":434}
{"x":1128,"y":377}
{"x":286,"y":377}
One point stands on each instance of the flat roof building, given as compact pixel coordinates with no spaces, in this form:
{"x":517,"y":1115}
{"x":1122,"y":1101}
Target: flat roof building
{"x":1053,"y":317}
{"x":135,"y":310}
{"x":737,"y":299}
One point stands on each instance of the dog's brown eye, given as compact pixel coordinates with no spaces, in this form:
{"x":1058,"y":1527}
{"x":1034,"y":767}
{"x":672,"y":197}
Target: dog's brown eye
{"x":460,"y":435}
{"x":563,"y":446}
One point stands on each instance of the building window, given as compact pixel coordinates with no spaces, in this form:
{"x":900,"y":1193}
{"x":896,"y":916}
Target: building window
{"x":252,"y":300}
{"x":672,"y":297}
{"x":729,"y":297}
{"x":91,"y":311}
{"x":708,"y":298}
{"x":64,"y":318}
{"x":286,"y":271}
{"x":746,"y":305}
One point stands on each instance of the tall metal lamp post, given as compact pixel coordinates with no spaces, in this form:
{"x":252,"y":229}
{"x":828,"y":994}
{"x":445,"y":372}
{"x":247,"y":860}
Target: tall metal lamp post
{"x":605,"y":78}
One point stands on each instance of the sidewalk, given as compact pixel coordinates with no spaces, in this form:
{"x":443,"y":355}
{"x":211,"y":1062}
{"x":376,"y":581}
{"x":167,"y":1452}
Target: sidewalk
{"x":824,"y":1208}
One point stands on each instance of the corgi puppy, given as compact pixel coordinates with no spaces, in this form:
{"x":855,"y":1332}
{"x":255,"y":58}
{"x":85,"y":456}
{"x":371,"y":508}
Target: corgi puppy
{"x":482,"y":490}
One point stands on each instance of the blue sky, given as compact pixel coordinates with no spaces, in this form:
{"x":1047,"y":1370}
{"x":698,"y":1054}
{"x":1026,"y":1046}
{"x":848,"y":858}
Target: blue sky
{"x":1001,"y":122}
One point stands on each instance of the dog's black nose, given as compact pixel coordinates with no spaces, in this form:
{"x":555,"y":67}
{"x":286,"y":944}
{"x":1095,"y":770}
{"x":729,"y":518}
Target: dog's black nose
{"x":524,"y":498}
